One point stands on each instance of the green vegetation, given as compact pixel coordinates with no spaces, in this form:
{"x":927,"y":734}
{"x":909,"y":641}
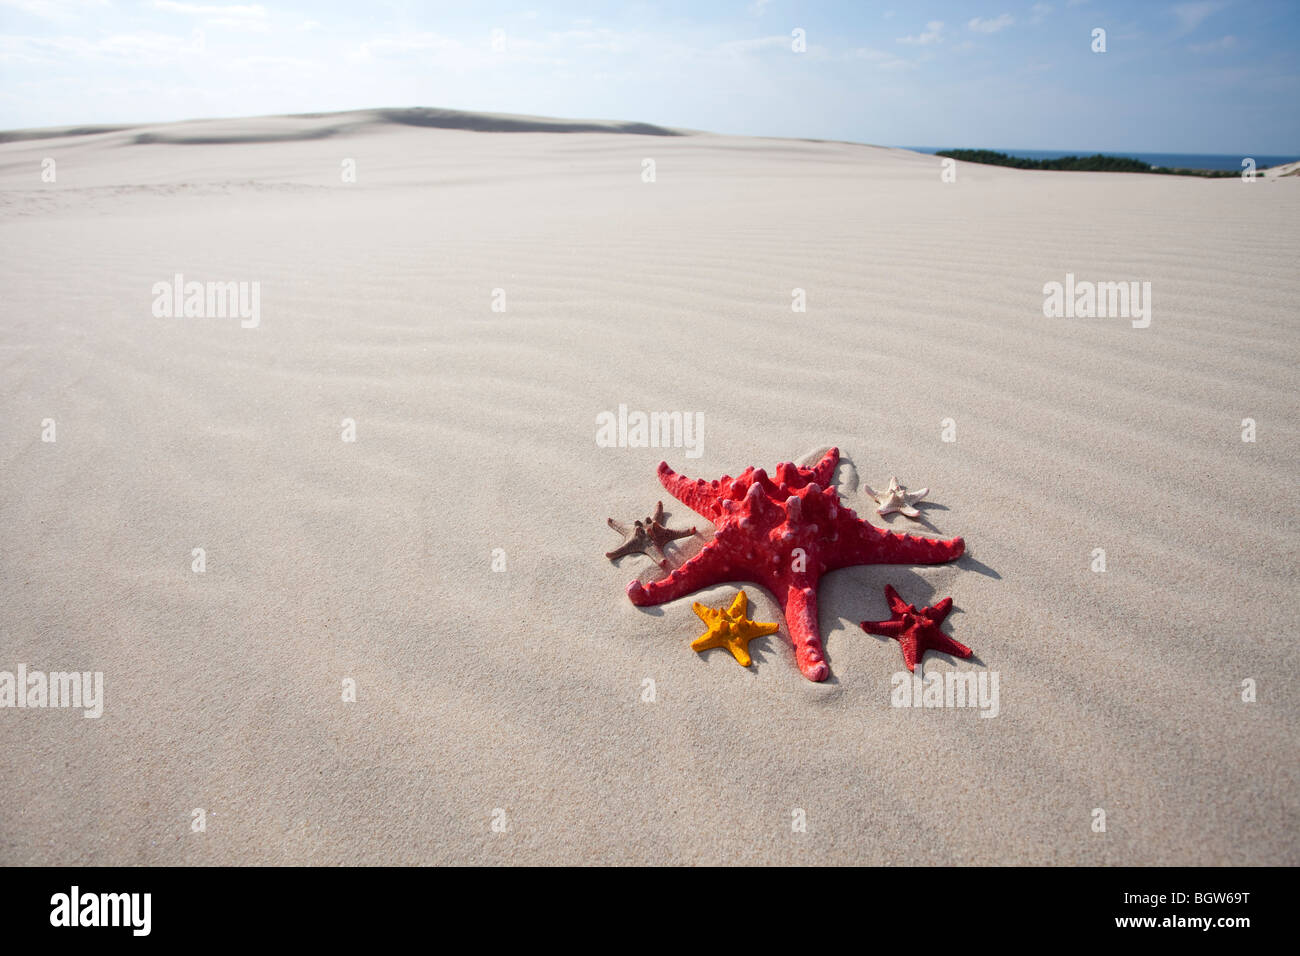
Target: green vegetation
{"x":1097,"y":163}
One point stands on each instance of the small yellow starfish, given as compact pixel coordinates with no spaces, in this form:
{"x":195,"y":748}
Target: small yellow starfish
{"x":730,"y":628}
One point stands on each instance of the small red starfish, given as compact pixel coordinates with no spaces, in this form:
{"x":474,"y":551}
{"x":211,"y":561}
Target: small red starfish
{"x":917,"y":631}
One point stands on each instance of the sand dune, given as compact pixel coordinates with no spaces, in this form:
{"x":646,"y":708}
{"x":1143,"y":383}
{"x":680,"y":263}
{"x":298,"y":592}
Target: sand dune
{"x":522,"y":690}
{"x":305,"y":126}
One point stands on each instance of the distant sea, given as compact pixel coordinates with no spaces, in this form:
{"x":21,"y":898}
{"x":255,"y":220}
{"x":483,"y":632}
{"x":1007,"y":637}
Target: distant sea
{"x":1172,"y":160}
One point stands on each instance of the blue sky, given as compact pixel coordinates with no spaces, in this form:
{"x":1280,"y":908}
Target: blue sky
{"x":1217,"y":76}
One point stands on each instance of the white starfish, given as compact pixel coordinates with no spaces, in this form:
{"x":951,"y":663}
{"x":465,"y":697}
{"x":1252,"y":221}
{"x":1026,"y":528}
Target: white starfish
{"x":897,"y":498}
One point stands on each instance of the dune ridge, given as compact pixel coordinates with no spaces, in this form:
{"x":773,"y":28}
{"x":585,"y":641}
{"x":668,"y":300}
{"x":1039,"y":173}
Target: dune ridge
{"x":293,"y":127}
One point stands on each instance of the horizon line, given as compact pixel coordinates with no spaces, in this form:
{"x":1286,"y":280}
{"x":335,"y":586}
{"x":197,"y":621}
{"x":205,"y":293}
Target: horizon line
{"x":91,"y":128}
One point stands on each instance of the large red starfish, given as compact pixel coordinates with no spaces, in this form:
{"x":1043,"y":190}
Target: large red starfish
{"x":916,"y":631}
{"x":783,"y":533}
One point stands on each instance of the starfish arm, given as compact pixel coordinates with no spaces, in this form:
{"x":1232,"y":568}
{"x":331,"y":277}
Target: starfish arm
{"x":878,"y":499}
{"x":912,"y":497}
{"x":706,"y":614}
{"x":619,"y":526}
{"x":896,"y":603}
{"x":740,"y":652}
{"x":705,"y":641}
{"x":663,"y":535}
{"x":867,"y":544}
{"x":696,"y":494}
{"x":710,"y":566}
{"x":624,"y":549}
{"x":883,"y":628}
{"x":910,"y":657}
{"x":801,"y":619}
{"x":659,"y":512}
{"x":939,"y":611}
{"x":739,"y":606}
{"x":822,"y":472}
{"x":909,"y":511}
{"x":946,"y":645}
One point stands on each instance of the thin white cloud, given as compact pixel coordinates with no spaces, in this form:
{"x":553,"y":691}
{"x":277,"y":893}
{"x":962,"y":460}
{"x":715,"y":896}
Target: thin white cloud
{"x":991,"y":24}
{"x":398,"y":44}
{"x":294,"y":63}
{"x":601,"y":39}
{"x":52,"y":9}
{"x":1192,"y":15}
{"x":450,"y":53}
{"x":1220,"y":45}
{"x":755,"y":44}
{"x":234,"y":23}
{"x":233,"y":11}
{"x":881,"y":59}
{"x":933,"y":33}
{"x":129,"y":48}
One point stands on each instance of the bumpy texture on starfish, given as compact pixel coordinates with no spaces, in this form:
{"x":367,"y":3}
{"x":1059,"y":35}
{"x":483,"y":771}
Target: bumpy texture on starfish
{"x":916,"y":631}
{"x":897,"y":498}
{"x":784,"y":534}
{"x":730,"y":628}
{"x":646,"y":537}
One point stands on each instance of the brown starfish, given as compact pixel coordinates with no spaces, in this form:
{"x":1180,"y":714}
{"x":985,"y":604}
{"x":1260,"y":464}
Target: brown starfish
{"x":646,"y":537}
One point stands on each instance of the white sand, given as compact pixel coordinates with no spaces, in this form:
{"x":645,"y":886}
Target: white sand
{"x":475,"y":430}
